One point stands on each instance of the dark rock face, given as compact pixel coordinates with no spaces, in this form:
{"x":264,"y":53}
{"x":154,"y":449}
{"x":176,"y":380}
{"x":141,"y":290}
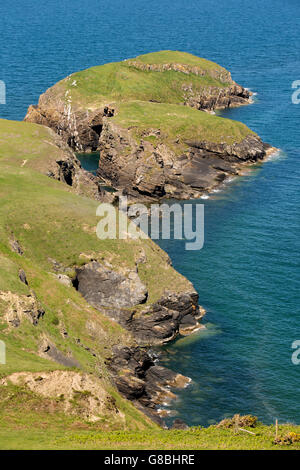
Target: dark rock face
{"x":22,"y":276}
{"x":162,"y":321}
{"x":134,"y":370}
{"x":102,"y":287}
{"x":81,"y":128}
{"x":140,"y":380}
{"x":119,"y":294}
{"x":210,"y":97}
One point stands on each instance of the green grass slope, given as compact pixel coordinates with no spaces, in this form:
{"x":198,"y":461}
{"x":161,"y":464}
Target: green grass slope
{"x":50,"y":222}
{"x":128,"y":80}
{"x":58,"y":432}
{"x":178,"y":124}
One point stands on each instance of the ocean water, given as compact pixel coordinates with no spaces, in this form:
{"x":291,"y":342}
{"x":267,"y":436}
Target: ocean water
{"x":247,"y":274}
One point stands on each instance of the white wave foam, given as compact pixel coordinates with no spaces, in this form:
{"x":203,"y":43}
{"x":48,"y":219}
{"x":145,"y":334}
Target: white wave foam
{"x":229,"y":180}
{"x":188,"y":383}
{"x":275,"y":156}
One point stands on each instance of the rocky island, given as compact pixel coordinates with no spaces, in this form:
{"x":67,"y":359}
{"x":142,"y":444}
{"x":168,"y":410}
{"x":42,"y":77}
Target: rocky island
{"x":151,"y":120}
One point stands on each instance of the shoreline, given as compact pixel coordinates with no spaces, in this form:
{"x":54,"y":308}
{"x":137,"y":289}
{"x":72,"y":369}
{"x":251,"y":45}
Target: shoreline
{"x":245,"y":169}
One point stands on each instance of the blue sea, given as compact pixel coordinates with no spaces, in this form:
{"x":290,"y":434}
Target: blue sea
{"x":247,"y":273}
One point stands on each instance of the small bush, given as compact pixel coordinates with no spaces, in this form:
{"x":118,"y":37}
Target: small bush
{"x":247,"y":421}
{"x":55,"y":321}
{"x":288,"y":439}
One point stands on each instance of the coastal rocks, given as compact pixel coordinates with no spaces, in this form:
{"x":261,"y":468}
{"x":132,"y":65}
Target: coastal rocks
{"x":212,"y":98}
{"x":250,"y":149}
{"x":22,"y":277}
{"x":140,"y":151}
{"x":179,"y":424}
{"x":15,"y":246}
{"x":65,"y":109}
{"x":121,"y":295}
{"x":153,"y":172}
{"x":164,"y":320}
{"x":102,"y":287}
{"x":218,"y":73}
{"x":238,"y":421}
{"x":140,"y":380}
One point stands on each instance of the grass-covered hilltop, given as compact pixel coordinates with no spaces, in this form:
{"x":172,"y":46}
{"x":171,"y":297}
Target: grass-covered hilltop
{"x":143,"y":116}
{"x":82,"y":318}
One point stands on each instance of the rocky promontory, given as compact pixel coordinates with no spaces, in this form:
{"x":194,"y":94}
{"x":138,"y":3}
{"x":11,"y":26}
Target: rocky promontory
{"x":151,"y":120}
{"x":71,"y":300}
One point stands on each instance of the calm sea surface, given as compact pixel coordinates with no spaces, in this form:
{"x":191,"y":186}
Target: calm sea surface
{"x":247,"y":274}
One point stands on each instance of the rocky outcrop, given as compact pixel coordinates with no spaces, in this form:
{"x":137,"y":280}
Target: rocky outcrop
{"x":217,"y":72}
{"x":77,"y":393}
{"x":68,"y":169}
{"x":164,"y":320}
{"x":153,"y":171}
{"x":79,"y":128}
{"x":208,"y":98}
{"x":250,"y":149}
{"x":121,"y":295}
{"x":212,"y":98}
{"x":142,"y":381}
{"x":102,"y":287}
{"x":20,"y":307}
